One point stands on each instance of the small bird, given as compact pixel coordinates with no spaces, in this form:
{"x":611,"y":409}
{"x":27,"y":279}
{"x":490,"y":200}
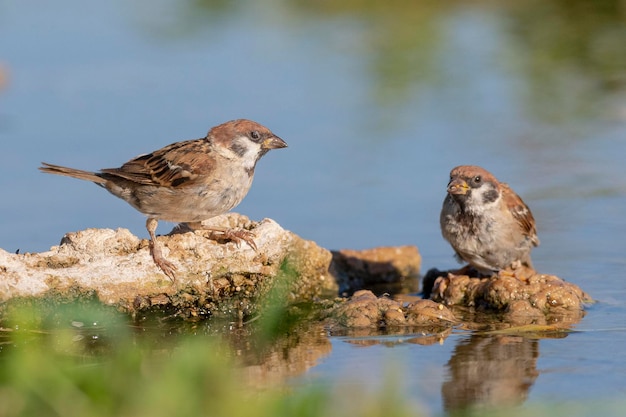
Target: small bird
{"x":188,"y":181}
{"x":487,"y":224}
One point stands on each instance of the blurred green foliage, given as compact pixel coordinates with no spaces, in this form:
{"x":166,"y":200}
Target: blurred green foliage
{"x":79,"y":360}
{"x":564,"y":55}
{"x":82,"y":359}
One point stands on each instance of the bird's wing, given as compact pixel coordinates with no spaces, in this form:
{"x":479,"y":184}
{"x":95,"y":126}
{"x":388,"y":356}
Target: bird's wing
{"x":521,"y":213}
{"x":176,"y":165}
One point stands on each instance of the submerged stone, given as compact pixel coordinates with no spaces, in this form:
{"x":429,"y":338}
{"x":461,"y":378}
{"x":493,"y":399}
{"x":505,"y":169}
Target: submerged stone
{"x":364,"y":309}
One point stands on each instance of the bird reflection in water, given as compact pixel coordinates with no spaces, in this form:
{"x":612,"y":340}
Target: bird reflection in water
{"x":490,"y":371}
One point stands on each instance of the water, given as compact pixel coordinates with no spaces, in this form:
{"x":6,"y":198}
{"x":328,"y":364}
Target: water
{"x":377,"y":104}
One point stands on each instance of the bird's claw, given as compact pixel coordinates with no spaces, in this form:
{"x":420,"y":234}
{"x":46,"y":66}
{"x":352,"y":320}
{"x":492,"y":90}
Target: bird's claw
{"x":166,"y":266}
{"x":237,"y":235}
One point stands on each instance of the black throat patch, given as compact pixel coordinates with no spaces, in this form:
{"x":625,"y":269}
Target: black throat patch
{"x":490,"y":196}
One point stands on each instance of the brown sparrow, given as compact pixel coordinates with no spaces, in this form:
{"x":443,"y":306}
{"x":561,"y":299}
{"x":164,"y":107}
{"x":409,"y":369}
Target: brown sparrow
{"x":487,"y":224}
{"x":189,"y":181}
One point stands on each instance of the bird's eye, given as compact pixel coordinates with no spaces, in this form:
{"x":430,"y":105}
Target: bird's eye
{"x":255,"y":135}
{"x":477,"y":179}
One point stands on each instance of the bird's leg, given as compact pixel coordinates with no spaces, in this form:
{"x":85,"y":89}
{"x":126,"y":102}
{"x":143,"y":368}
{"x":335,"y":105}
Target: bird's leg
{"x":520,"y":270}
{"x":466,"y":270}
{"x":471,"y":271}
{"x":225,"y":233}
{"x":155,"y":250}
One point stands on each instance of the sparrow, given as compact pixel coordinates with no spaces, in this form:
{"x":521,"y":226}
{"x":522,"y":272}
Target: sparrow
{"x":189,"y":181}
{"x":485,"y":222}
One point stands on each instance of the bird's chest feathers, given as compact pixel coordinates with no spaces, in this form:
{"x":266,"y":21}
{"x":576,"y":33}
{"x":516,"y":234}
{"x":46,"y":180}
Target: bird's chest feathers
{"x":228,"y":189}
{"x":475,"y":220}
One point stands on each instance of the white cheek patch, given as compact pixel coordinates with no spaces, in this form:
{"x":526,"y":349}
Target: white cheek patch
{"x":242,"y":149}
{"x":477,"y":204}
{"x":253,"y":150}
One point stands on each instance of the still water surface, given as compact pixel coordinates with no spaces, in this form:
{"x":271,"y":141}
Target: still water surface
{"x":377,"y":104}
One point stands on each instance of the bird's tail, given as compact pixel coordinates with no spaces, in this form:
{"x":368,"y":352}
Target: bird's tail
{"x":71,"y":172}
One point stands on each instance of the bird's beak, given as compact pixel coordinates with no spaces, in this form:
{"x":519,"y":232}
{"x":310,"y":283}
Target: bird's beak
{"x":273,"y":142}
{"x":458,"y":186}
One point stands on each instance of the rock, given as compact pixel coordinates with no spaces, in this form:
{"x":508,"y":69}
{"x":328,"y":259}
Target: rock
{"x":522,"y":294}
{"x":212,"y":277}
{"x":364,"y":309}
{"x":354,"y":270}
{"x":427,"y":312}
